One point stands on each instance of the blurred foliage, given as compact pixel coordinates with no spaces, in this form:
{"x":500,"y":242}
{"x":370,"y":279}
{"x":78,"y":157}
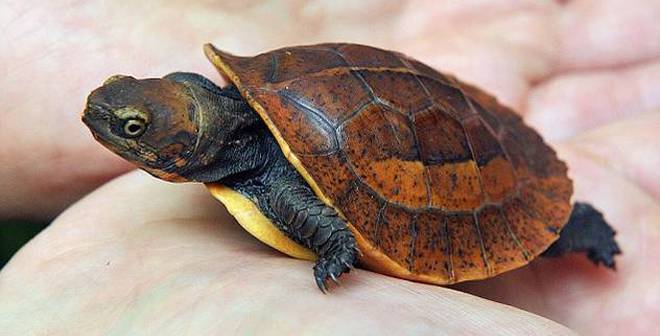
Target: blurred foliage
{"x":14,"y":234}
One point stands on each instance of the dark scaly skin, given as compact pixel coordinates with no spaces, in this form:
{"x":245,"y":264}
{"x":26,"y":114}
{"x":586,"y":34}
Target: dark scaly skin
{"x":218,"y":138}
{"x":587,"y":232}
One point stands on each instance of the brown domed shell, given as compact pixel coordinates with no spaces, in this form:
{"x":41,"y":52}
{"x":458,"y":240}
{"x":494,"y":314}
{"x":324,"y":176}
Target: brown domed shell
{"x":439,"y":182}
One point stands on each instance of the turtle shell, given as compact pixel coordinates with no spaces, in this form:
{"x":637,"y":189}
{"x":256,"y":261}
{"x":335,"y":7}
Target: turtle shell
{"x":438,"y":181}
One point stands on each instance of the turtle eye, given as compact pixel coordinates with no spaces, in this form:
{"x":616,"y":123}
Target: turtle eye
{"x":134,"y":127}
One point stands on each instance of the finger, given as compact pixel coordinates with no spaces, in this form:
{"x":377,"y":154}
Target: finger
{"x":608,"y":33}
{"x":500,"y":46}
{"x":140,"y":253}
{"x":630,"y":148}
{"x":569,"y":104}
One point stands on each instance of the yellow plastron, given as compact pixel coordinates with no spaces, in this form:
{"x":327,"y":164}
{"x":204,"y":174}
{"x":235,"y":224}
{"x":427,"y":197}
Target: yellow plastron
{"x":253,"y":221}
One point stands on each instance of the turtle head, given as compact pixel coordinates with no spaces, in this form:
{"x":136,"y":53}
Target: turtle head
{"x":153,"y":123}
{"x":180,"y":128}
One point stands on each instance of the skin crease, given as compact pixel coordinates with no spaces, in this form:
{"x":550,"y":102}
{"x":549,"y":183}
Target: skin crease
{"x":140,"y":254}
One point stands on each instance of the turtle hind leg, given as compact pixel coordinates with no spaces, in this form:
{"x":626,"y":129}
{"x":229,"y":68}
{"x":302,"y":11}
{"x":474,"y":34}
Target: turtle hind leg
{"x":586,"y":231}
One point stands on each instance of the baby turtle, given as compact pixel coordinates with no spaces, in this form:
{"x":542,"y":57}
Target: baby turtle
{"x":346,"y":153}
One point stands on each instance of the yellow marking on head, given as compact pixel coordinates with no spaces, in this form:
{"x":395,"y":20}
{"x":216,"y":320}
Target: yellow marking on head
{"x":129,"y":112}
{"x":113,"y":78}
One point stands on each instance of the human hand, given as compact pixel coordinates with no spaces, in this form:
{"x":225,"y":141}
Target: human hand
{"x":535,"y":57}
{"x":139,"y":256}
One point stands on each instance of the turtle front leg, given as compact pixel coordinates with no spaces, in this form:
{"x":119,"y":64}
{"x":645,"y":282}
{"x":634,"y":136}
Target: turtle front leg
{"x":309,"y":221}
{"x":586,"y":231}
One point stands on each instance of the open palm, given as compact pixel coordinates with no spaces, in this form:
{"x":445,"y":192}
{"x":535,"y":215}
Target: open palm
{"x":140,"y":255}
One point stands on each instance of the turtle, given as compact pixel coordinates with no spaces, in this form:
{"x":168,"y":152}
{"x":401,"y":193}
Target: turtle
{"x":352,"y":155}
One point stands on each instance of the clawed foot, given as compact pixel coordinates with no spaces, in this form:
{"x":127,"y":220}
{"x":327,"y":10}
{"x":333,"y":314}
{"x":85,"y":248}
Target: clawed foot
{"x":604,"y":253}
{"x":597,"y":237}
{"x":330,"y":267}
{"x":587,"y":231}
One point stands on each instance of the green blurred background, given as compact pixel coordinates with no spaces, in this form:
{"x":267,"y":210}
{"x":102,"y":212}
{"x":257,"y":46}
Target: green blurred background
{"x":14,"y":234}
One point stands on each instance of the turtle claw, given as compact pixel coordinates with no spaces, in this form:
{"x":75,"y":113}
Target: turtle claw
{"x":332,"y":269}
{"x":349,"y":266}
{"x":321,"y":284}
{"x":327,"y":269}
{"x":334,"y":278}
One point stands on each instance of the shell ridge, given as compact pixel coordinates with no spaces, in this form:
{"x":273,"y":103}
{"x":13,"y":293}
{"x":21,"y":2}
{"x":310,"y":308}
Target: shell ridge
{"x":482,"y":247}
{"x":449,"y":253}
{"x":412,"y":231}
{"x":513,"y":235}
{"x":474,"y":159}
